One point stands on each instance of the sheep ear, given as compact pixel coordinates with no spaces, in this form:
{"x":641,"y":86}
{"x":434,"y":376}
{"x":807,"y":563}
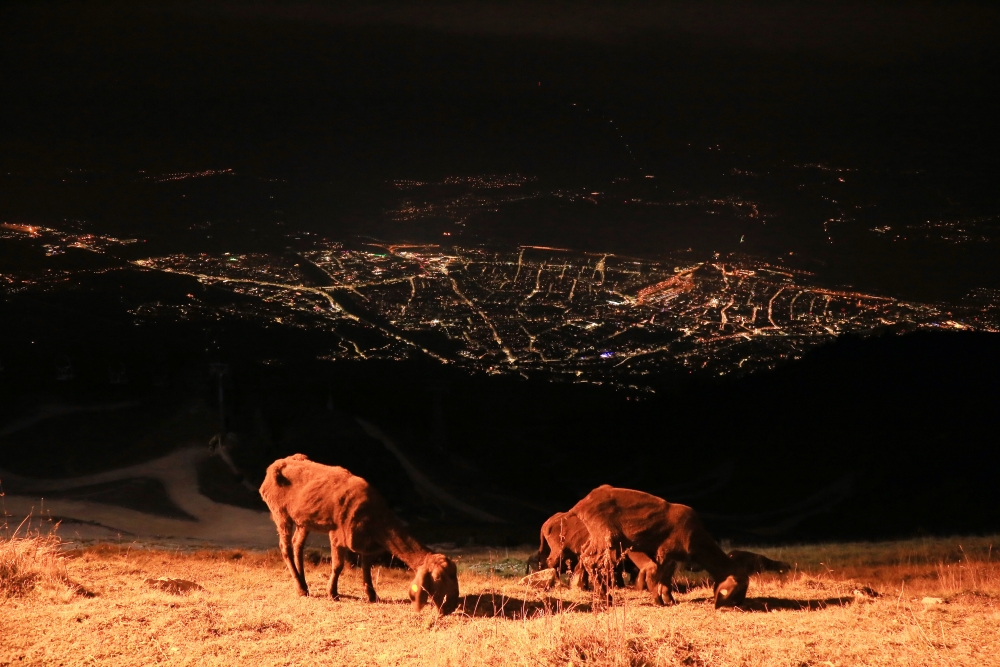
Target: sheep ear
{"x":418,"y":589}
{"x":441,"y":576}
{"x":427,"y":584}
{"x":449,"y":571}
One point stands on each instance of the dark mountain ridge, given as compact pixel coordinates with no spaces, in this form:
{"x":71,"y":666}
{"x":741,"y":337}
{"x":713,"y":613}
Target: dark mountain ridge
{"x":863,"y":438}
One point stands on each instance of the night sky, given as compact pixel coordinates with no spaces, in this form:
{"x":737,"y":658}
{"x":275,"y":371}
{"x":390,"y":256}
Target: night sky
{"x":403,"y":91}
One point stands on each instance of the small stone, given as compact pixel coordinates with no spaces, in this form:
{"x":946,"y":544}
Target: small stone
{"x":865,"y":593}
{"x":172,"y":585}
{"x":541,"y":579}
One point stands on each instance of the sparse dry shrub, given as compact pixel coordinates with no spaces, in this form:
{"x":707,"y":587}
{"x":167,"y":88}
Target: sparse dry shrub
{"x":599,"y":644}
{"x":27,"y":561}
{"x":970,"y":576}
{"x":618,"y":636}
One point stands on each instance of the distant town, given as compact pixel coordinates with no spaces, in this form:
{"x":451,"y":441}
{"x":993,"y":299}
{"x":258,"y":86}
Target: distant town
{"x":534,"y":311}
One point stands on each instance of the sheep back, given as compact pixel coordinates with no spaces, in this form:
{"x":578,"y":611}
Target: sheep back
{"x":327,"y":499}
{"x":633,"y":519}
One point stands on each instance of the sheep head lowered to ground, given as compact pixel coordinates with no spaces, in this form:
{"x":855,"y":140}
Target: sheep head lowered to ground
{"x":437,"y":581}
{"x":655,"y":535}
{"x":307,"y":496}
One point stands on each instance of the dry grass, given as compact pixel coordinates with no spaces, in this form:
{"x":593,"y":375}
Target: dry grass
{"x":248,"y":614}
{"x":33,"y":562}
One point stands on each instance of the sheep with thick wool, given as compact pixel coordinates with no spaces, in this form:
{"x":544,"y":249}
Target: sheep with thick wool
{"x":307,"y":496}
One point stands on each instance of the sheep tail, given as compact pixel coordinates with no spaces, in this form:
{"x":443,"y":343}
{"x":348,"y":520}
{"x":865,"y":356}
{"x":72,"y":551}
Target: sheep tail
{"x":279,"y":467}
{"x":541,"y":557}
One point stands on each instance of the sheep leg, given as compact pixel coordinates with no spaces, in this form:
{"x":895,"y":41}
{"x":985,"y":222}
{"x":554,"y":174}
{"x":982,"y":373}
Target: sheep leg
{"x":619,"y":575}
{"x":655,"y":577}
{"x":596,"y":568}
{"x":647,"y":570}
{"x":287,"y":554}
{"x":366,"y":574}
{"x":580,"y":580}
{"x":564,"y":562}
{"x":298,"y":545}
{"x":338,"y":556}
{"x":573,"y":566}
{"x":664,"y":582}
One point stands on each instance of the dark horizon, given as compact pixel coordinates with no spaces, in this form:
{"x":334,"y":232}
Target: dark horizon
{"x":271,"y":88}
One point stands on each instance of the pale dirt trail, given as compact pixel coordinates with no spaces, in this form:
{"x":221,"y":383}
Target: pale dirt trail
{"x":216,"y":523}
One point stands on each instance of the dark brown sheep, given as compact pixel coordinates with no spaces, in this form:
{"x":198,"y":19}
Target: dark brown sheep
{"x":306,"y":496}
{"x":753,"y":563}
{"x":745,"y":561}
{"x":562,"y":537}
{"x":562,"y":540}
{"x":655,"y":535}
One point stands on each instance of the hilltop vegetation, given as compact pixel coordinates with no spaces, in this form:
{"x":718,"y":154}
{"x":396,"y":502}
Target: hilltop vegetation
{"x":939,"y":603}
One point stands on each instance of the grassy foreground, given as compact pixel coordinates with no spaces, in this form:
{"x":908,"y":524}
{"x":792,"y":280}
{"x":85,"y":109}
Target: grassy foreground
{"x":93,"y":606}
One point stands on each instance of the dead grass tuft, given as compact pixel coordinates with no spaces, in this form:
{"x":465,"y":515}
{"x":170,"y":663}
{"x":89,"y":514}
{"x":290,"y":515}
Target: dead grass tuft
{"x":607,"y":641}
{"x":32,"y":562}
{"x":261,"y":626}
{"x":21,"y":565}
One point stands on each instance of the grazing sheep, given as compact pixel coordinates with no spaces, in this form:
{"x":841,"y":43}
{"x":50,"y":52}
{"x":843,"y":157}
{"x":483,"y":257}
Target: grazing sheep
{"x":303,"y":496}
{"x":655,"y":535}
{"x":562,"y":539}
{"x":746,"y":561}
